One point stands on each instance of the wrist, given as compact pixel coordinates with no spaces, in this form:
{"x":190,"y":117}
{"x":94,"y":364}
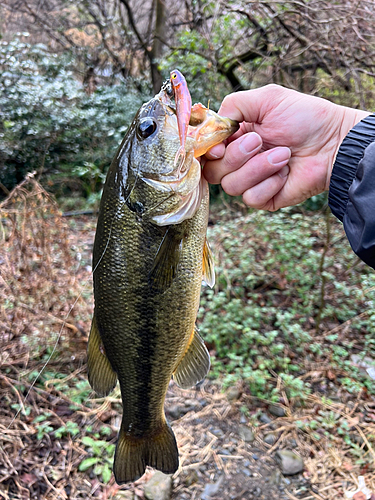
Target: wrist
{"x":350,"y":118}
{"x":348,"y":160}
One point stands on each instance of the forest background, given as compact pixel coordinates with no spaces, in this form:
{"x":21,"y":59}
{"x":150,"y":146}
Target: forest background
{"x":291,"y":319}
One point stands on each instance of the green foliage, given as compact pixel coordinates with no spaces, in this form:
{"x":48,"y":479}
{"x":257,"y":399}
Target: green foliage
{"x":101,"y":459}
{"x":361,"y":96}
{"x":261,"y":318}
{"x":69,"y":428}
{"x":204,"y":58}
{"x":80,"y":392}
{"x":50,"y":124}
{"x":43,"y":426}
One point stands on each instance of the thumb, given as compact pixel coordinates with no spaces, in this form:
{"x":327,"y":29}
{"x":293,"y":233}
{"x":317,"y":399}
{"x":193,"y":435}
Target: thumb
{"x":251,"y":105}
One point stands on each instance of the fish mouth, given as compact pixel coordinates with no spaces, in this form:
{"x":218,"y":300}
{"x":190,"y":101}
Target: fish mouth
{"x":184,"y":183}
{"x":208,"y":128}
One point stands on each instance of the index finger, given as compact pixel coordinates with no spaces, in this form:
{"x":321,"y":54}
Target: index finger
{"x":218,"y":150}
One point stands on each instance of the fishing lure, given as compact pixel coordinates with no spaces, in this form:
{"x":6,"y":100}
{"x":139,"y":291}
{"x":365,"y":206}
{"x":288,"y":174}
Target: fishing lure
{"x":183,"y":111}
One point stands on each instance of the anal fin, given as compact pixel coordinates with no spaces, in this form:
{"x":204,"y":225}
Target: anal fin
{"x":101,"y":375}
{"x":208,"y":265}
{"x":194,"y":365}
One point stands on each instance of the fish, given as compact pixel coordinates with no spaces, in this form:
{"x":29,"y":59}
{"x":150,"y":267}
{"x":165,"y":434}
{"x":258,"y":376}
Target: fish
{"x":183,"y":110}
{"x":150,"y":256}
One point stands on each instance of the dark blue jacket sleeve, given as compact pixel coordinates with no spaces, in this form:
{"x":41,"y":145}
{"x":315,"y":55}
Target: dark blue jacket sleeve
{"x":352,"y":188}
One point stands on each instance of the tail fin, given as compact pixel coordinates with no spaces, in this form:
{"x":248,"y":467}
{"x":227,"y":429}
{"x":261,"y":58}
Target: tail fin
{"x":134,"y":454}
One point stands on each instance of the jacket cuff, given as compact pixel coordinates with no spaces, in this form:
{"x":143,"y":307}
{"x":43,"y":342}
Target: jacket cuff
{"x":345,"y":167}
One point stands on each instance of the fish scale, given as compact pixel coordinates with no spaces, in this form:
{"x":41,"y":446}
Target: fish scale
{"x":147,"y":280}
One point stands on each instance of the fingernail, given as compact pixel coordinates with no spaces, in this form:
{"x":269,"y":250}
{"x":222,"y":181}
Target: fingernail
{"x":216,"y":152}
{"x":279,"y":156}
{"x":284,"y":171}
{"x":250,"y":143}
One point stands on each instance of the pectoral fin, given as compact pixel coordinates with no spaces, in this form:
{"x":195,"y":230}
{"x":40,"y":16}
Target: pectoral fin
{"x":208,"y":265}
{"x":195,"y":364}
{"x":101,"y":376}
{"x":166,"y":261}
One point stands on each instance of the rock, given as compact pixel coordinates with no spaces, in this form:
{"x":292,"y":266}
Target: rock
{"x":365,"y":364}
{"x":218,"y":433}
{"x":277,"y":411}
{"x":289,"y":462}
{"x":124,"y":495}
{"x":175,"y":411}
{"x":225,"y":452}
{"x":270,"y":439}
{"x":255,"y":491}
{"x":211,"y":489}
{"x":159,"y":487}
{"x":265,"y":419}
{"x":178,"y":410}
{"x":191,"y":404}
{"x":233,"y":393}
{"x":246,"y":434}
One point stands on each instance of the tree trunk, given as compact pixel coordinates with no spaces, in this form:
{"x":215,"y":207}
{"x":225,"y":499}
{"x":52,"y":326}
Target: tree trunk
{"x":157,"y":46}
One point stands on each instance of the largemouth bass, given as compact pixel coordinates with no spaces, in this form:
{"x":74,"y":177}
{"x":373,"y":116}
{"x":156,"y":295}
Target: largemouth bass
{"x":150,"y":256}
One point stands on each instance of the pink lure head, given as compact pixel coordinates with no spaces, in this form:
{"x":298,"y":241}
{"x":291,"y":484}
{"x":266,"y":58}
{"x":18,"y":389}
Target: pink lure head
{"x":177,"y":78}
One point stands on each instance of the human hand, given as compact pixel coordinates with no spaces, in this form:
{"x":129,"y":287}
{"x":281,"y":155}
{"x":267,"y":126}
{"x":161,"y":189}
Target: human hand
{"x":285,"y":148}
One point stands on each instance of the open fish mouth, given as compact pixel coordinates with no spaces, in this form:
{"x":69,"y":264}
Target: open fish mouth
{"x":185,"y":182}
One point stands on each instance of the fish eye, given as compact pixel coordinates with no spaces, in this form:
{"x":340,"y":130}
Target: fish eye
{"x":146,"y":127}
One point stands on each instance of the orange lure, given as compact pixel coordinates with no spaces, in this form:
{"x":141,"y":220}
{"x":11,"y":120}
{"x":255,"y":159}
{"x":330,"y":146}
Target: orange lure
{"x":183,"y":110}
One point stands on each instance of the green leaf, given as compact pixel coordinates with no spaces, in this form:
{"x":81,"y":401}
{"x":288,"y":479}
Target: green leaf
{"x":98,"y":469}
{"x":106,"y":474}
{"x":88,"y":441}
{"x":87,"y":463}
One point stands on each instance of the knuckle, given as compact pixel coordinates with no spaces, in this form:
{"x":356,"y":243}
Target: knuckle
{"x":230,"y":186}
{"x":227,"y":100}
{"x":230,"y":159}
{"x":253,"y":201}
{"x":211,"y":175}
